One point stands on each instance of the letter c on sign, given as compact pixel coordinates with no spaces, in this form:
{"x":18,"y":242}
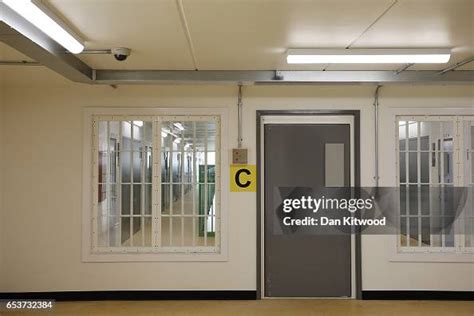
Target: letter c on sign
{"x":237,"y":178}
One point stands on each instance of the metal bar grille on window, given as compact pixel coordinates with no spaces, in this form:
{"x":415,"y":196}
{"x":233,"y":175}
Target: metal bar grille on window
{"x":155,"y":184}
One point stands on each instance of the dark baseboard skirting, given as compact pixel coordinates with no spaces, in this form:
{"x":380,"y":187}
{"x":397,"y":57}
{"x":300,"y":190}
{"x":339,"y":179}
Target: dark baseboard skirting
{"x":220,"y":295}
{"x":419,"y":295}
{"x":132,"y":295}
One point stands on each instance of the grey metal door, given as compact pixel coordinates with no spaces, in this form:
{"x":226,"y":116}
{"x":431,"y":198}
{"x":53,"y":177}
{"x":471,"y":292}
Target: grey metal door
{"x":298,"y":264}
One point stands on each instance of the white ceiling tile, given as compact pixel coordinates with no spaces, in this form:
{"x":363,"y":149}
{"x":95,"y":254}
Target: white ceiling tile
{"x":152,"y":29}
{"x":250,"y":34}
{"x":424,"y":23}
{"x":255,"y":34}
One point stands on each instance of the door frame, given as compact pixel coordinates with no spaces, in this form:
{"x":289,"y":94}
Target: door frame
{"x":356,"y":284}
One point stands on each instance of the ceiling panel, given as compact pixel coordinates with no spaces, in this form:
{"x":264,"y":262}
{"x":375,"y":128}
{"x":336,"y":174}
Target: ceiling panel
{"x":426,"y":23}
{"x":249,"y":34}
{"x":255,"y":34}
{"x":151,"y":28}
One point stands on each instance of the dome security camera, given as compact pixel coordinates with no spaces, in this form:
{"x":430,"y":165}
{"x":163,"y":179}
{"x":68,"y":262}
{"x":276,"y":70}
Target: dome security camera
{"x":121,"y":53}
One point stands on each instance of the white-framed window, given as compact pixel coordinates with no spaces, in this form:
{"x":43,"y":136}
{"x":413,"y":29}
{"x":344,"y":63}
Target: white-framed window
{"x":466,"y":130}
{"x":430,"y":165}
{"x":156,"y":190}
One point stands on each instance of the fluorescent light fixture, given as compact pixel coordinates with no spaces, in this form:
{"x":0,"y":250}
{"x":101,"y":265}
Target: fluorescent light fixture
{"x":179,"y":126}
{"x":36,"y":14}
{"x":368,"y":56}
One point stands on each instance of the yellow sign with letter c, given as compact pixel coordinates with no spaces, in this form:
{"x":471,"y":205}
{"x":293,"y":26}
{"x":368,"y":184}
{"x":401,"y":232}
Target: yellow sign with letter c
{"x":243,"y":178}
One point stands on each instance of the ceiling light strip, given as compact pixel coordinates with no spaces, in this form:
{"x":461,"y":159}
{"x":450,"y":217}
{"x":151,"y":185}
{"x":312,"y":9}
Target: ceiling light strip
{"x":37,"y":15}
{"x":368,"y":56}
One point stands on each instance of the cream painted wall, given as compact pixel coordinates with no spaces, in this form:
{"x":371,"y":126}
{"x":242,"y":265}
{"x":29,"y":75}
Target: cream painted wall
{"x":42,"y":198}
{"x":380,"y":271}
{"x":2,"y":239}
{"x":2,"y":254}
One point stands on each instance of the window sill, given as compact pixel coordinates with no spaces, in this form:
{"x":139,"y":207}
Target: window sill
{"x":154,"y":257}
{"x":433,"y":257}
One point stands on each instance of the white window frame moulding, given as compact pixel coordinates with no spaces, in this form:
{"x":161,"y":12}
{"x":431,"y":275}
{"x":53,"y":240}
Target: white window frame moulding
{"x":138,"y":255}
{"x":389,"y":115}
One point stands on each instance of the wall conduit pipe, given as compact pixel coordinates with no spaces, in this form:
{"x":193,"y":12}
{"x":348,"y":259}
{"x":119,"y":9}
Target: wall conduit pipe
{"x":239,"y":123}
{"x":376,"y":134}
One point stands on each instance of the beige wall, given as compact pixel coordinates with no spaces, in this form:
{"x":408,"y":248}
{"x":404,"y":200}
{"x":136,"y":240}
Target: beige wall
{"x":43,"y":173}
{"x":2,"y":139}
{"x":379,"y":269}
{"x":1,"y":176}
